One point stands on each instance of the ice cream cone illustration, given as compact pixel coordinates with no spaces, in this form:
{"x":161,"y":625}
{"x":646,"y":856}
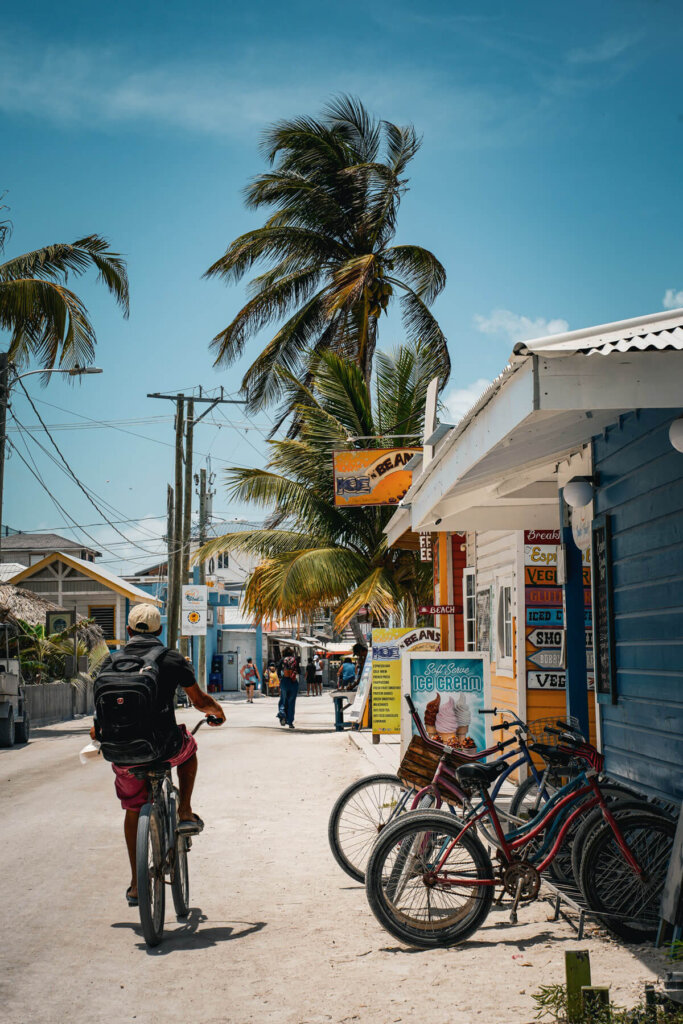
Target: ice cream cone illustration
{"x":463,"y":716}
{"x":447,"y":722}
{"x":431,"y":711}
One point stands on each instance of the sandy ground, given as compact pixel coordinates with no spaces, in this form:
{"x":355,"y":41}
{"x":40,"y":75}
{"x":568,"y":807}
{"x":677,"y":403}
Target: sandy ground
{"x":277,"y":933}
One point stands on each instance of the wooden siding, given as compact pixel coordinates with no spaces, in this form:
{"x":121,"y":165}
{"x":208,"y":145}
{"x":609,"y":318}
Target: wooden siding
{"x":640,"y":486}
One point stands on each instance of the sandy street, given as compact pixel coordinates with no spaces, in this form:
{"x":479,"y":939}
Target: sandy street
{"x":277,"y":934}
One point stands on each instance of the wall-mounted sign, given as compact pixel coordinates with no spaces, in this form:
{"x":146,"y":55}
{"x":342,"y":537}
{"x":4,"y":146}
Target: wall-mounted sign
{"x":425,"y":547}
{"x":59,"y":620}
{"x":448,"y":688}
{"x":437,"y":609}
{"x":546,"y":680}
{"x":388,"y":646}
{"x":603,"y":624}
{"x":372,"y":476}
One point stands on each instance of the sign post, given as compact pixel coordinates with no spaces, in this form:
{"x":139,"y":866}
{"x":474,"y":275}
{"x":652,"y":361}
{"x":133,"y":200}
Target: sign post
{"x":193,"y":610}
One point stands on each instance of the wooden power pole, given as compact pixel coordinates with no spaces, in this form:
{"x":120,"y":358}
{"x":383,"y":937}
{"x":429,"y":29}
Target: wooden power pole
{"x":179,"y":547}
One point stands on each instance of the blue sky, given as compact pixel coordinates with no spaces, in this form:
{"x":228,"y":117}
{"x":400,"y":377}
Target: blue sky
{"x":547,"y":183}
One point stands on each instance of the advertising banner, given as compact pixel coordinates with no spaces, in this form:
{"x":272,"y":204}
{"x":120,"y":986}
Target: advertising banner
{"x":372,"y":476}
{"x":388,"y":646}
{"x":193,"y":610}
{"x":448,"y":688}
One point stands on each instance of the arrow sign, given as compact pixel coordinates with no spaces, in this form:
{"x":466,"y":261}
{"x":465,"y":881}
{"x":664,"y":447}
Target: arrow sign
{"x":546,"y":637}
{"x":546,"y":659}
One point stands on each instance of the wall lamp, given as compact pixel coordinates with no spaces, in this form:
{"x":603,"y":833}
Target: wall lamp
{"x":578,"y":492}
{"x":436,"y":522}
{"x":676,"y":434}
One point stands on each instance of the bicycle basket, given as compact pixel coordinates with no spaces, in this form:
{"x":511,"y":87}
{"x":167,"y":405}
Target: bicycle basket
{"x":419,"y":764}
{"x":537,"y":733}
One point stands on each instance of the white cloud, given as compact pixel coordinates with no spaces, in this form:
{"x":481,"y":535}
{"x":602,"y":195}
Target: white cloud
{"x":672,"y":299}
{"x":606,"y":50}
{"x":459,"y":401}
{"x":515,"y":327}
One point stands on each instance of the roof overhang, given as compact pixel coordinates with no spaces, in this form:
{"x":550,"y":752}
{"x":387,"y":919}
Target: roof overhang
{"x":115,"y":583}
{"x":499,"y":468}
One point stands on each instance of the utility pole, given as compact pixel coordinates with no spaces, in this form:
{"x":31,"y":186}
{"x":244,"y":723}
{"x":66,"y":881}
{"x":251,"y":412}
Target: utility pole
{"x":179,"y":553}
{"x":4,"y":400}
{"x":201,"y":640}
{"x":170,"y":523}
{"x":187,"y":508}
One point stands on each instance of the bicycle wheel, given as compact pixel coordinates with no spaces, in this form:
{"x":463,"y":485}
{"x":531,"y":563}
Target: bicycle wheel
{"x":626,"y":904}
{"x":359,"y":815}
{"x":410,"y":898}
{"x":150,"y":869}
{"x":527,"y":800}
{"x":180,"y":882}
{"x":619,"y":802}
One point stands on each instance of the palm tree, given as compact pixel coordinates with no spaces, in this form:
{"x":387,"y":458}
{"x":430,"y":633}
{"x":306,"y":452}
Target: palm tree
{"x":334,"y":188}
{"x":46,"y":320}
{"x":315,"y":554}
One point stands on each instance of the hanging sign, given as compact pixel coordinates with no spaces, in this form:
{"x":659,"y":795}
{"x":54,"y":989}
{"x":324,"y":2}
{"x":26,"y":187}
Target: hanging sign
{"x":388,"y":646}
{"x":425,"y":547}
{"x":448,"y":688}
{"x":372,"y":476}
{"x":437,"y":609}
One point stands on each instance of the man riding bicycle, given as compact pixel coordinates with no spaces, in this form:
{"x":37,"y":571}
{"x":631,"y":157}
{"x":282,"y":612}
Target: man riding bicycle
{"x":144,"y":627}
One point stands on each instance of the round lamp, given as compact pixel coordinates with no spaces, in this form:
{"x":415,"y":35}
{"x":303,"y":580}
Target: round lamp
{"x":578,"y":492}
{"x":676,"y":434}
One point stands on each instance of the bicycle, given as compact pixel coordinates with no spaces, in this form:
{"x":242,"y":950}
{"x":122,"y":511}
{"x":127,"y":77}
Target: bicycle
{"x":364,"y":809}
{"x":160,"y":850}
{"x":430,"y":880}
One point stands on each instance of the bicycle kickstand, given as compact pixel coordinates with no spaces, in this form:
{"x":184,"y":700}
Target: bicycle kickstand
{"x":515,"y":902}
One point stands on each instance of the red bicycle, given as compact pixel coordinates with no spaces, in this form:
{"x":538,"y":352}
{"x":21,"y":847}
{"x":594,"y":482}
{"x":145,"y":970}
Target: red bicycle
{"x":430,"y":880}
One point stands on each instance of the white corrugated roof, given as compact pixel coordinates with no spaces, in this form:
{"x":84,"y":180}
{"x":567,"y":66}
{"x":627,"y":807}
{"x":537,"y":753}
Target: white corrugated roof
{"x":10,"y":569}
{"x":655,"y":331}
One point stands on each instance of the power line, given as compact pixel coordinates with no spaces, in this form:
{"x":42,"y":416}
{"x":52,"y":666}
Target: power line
{"x":73,"y":475}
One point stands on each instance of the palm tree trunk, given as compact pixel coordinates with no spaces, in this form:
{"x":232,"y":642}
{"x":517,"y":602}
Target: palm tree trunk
{"x":370,"y":345}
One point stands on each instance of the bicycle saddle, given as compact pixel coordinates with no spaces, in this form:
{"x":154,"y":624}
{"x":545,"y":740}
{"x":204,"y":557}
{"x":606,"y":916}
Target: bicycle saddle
{"x":471,"y":775}
{"x":551,"y":753}
{"x":141,"y":771}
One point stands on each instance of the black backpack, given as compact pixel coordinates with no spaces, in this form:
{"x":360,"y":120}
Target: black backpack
{"x":134,"y":723}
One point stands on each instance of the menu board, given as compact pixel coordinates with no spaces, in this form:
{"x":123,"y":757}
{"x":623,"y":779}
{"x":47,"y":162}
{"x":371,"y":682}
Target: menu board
{"x":603,"y":627}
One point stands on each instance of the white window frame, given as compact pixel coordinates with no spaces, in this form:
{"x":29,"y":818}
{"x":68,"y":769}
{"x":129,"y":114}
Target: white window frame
{"x":469,"y":593}
{"x":505,"y":640}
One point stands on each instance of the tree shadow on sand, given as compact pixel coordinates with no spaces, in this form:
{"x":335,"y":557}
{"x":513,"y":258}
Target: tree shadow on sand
{"x":188,"y":934}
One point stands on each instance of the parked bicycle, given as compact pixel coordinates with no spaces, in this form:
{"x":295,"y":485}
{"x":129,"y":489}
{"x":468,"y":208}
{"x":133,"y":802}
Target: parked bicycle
{"x":161,"y":851}
{"x":368,"y":805}
{"x":430,"y":880}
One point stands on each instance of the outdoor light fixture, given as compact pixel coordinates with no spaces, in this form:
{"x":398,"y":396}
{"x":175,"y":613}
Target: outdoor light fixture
{"x":676,"y":434}
{"x":578,"y":492}
{"x":436,"y":522}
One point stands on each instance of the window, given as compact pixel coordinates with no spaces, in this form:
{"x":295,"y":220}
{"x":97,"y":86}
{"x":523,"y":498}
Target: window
{"x":104,"y":616}
{"x":504,"y":624}
{"x":222,"y":560}
{"x":469,"y":593}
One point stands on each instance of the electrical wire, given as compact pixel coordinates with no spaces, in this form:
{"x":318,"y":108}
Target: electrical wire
{"x":75,"y":478}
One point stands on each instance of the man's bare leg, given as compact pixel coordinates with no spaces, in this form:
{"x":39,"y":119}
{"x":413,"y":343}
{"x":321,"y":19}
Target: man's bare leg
{"x":187,"y":773}
{"x":130,"y":831}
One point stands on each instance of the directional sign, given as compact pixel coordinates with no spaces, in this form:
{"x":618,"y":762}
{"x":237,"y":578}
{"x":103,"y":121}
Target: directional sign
{"x":546,"y":659}
{"x":546,"y":680}
{"x":437,"y":609}
{"x":546,"y":637}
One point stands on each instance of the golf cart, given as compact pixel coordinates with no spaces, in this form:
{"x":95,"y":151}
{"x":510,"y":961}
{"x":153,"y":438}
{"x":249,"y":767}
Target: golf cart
{"x":14,"y":718}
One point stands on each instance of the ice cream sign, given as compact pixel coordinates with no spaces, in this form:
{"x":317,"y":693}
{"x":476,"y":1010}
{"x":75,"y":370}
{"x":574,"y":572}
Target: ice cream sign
{"x":448,"y":689}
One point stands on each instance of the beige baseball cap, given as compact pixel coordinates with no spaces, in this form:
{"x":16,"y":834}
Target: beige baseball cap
{"x":144,"y":618}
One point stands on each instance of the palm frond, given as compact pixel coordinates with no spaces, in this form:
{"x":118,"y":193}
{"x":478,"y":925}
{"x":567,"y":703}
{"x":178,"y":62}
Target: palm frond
{"x":419,"y":267}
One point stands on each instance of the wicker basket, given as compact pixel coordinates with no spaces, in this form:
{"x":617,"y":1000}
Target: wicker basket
{"x":419,"y":764}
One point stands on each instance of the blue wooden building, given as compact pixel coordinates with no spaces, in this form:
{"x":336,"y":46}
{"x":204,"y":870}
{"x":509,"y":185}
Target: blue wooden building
{"x":592,"y":407}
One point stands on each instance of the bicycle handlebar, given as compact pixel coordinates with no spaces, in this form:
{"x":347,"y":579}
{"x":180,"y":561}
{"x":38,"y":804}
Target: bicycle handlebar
{"x":211,"y":719}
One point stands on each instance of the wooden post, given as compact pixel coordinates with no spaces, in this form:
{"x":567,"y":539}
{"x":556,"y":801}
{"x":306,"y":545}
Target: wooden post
{"x":595,"y":998}
{"x":577,"y":967}
{"x":174,"y":603}
{"x":201,"y":640}
{"x":187,"y":507}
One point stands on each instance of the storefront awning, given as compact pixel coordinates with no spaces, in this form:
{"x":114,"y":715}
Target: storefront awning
{"x":499,"y":467}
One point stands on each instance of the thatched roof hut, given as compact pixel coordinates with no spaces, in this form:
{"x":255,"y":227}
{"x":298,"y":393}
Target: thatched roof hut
{"x":19,"y":604}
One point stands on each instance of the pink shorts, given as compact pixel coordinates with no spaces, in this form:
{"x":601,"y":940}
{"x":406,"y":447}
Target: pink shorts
{"x":132,"y":792}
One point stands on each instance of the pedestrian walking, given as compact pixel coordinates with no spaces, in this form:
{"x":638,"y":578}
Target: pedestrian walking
{"x":289,"y":687}
{"x":318,"y":685}
{"x":310,"y":678}
{"x":250,"y":676}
